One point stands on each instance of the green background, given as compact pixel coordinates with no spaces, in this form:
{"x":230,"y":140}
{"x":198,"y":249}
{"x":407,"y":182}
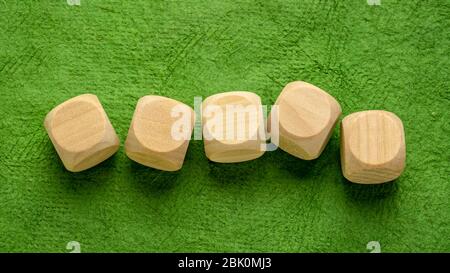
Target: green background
{"x":393,"y":57}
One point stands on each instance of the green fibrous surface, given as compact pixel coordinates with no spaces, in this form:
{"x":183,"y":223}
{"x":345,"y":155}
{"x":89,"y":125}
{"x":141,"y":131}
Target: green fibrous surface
{"x":393,"y":56}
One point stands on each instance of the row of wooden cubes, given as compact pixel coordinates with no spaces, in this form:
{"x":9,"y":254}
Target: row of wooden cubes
{"x":234,"y":129}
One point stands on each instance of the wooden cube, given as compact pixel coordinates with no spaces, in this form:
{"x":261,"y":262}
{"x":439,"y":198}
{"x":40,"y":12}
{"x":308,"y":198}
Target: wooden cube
{"x":372,"y":147}
{"x":159,"y":133}
{"x":232,"y":127}
{"x":81,"y":132}
{"x":307,"y":116}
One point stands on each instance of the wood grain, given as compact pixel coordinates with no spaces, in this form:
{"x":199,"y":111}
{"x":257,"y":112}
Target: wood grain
{"x":232,"y":148}
{"x":81,"y":132}
{"x":150,"y":141}
{"x":307,"y":117}
{"x":372,"y":147}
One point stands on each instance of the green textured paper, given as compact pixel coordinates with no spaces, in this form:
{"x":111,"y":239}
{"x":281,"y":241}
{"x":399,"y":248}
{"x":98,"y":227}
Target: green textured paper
{"x":393,"y":56}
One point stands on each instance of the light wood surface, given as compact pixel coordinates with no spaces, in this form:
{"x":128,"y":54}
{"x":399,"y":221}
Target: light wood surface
{"x":307,"y":117}
{"x":81,"y":132}
{"x":372,"y":147}
{"x":150,"y":141}
{"x":224,"y":147}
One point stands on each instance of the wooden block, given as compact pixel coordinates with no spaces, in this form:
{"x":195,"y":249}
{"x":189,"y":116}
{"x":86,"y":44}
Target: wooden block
{"x":232,"y":127}
{"x":151,"y":140}
{"x":307,"y":116}
{"x":372,"y":147}
{"x":81,"y":132}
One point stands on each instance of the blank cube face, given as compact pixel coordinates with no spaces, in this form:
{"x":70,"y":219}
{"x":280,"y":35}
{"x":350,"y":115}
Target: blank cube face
{"x":307,"y":116}
{"x":159,"y":133}
{"x":233,"y":127}
{"x":372,"y":147}
{"x":81,"y":132}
